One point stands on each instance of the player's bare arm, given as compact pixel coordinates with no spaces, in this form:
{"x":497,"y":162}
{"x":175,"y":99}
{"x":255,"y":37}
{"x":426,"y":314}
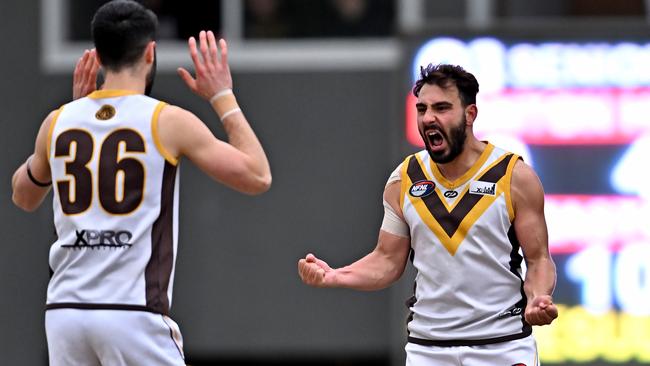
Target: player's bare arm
{"x":184,"y":134}
{"x":377,"y":270}
{"x":530,"y":227}
{"x":28,"y":193}
{"x":241,"y":162}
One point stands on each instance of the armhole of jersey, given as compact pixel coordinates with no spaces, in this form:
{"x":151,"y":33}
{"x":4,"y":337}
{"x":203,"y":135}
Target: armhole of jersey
{"x":509,"y":170}
{"x":50,"y":131}
{"x":404,"y":183}
{"x":156,"y":138}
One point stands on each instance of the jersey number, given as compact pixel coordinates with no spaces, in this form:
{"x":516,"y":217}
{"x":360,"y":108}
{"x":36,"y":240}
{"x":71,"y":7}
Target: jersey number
{"x":116,"y":198}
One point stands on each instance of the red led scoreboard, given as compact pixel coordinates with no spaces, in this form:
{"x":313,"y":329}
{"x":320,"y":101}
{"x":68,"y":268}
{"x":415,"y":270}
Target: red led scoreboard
{"x":579,"y":113}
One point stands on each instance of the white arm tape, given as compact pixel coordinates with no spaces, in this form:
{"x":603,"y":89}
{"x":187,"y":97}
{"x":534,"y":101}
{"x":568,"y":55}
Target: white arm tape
{"x":394,"y":224}
{"x":395,"y":175}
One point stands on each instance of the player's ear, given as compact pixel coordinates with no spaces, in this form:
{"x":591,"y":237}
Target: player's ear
{"x":99,"y":60}
{"x":471,"y":111}
{"x":150,"y":52}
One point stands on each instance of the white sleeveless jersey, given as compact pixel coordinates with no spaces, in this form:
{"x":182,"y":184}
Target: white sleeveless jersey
{"x":469,"y":287}
{"x":115,"y":205}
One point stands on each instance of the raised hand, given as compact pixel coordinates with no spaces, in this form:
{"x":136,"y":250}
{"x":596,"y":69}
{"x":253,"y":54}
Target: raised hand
{"x":211,"y":67}
{"x":315,"y":272}
{"x":85,"y":75}
{"x":541,"y":310}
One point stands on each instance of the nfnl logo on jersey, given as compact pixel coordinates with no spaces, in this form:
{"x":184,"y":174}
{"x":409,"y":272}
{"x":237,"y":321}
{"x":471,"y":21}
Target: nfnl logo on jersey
{"x":483,"y":188}
{"x":422,"y":188}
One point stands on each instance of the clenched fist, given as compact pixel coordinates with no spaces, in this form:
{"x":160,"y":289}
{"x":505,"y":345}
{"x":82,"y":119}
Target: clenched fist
{"x":541,"y":310}
{"x":316,"y":272}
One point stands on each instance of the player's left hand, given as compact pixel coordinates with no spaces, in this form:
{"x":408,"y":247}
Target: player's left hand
{"x":541,"y":310}
{"x":210,"y":60}
{"x":85,"y":75}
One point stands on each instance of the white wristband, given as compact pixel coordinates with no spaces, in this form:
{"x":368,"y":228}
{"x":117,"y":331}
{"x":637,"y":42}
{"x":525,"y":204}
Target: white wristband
{"x":220,"y":94}
{"x":230,"y":112}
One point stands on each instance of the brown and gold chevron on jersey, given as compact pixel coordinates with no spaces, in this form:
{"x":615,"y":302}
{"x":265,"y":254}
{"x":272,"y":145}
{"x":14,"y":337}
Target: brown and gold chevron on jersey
{"x":450,"y":223}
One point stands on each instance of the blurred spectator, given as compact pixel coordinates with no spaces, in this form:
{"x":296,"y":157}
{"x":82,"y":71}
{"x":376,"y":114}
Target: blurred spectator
{"x":360,"y":18}
{"x":178,"y":19}
{"x":277,"y":19}
{"x":348,"y":18}
{"x":318,"y":18}
{"x":266,"y":19}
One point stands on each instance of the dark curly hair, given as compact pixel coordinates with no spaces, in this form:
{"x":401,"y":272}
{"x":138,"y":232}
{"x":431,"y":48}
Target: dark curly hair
{"x":444,"y":76}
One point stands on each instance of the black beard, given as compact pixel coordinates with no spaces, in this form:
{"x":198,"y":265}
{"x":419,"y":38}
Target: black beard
{"x":455,"y":140}
{"x":151,"y":75}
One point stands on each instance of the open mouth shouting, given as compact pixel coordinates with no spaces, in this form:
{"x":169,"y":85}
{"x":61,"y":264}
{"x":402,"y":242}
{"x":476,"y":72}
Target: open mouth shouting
{"x":444,"y":145}
{"x":435,"y":139}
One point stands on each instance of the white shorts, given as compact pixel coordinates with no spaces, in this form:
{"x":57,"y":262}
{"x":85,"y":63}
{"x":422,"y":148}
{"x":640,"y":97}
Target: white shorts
{"x":78,"y":337}
{"x":519,"y":352}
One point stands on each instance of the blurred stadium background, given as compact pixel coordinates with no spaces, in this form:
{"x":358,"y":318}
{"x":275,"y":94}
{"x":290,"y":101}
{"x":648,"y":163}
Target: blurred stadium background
{"x":325,"y":84}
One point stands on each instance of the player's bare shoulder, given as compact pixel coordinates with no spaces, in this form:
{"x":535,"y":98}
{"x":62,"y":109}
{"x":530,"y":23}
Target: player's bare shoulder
{"x":392,"y":190}
{"x":173,"y":115}
{"x":179,"y":120}
{"x":49,"y":119}
{"x":526,"y":187}
{"x":524,"y":175}
{"x":175,"y":126}
{"x":42,"y":139}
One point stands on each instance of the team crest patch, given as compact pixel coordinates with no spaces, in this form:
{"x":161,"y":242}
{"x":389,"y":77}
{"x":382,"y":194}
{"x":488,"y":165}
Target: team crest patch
{"x":422,"y":188}
{"x":106,"y":112}
{"x":483,"y":188}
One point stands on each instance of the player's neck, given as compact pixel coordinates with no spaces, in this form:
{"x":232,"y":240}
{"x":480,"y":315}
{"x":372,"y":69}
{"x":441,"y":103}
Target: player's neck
{"x":463,"y":162}
{"x":124,"y":80}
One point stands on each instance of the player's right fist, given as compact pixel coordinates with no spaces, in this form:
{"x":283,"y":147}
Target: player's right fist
{"x":315,"y":272}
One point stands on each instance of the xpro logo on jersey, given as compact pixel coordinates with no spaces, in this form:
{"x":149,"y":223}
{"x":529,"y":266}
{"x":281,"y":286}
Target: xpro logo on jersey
{"x":95,"y":239}
{"x":422,"y":188}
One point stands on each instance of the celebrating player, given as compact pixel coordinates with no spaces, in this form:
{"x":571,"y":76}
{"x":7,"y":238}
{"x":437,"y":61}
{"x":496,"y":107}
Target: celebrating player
{"x":461,"y":209}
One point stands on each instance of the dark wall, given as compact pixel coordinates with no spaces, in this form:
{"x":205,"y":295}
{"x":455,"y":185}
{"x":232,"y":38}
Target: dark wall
{"x":330,"y":138}
{"x":23,"y":261}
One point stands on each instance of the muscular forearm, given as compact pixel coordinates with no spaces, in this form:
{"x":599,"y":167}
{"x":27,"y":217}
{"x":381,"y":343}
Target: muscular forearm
{"x":25,"y":194}
{"x":375,"y":271}
{"x":241,"y":136}
{"x":540,"y":278}
{"x":15,"y":177}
